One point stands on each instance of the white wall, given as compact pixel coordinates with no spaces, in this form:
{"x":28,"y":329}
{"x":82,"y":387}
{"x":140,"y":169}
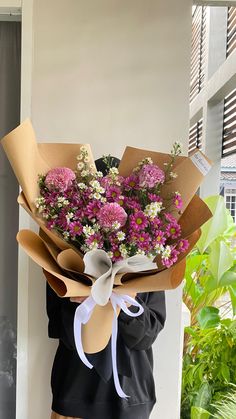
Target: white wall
{"x":10,"y":3}
{"x":109,"y":73}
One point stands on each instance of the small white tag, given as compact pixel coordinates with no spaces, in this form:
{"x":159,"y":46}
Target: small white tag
{"x":201,"y":163}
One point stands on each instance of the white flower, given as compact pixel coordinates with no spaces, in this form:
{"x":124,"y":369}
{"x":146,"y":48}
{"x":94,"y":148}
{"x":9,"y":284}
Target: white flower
{"x":159,"y":248}
{"x":82,"y":186}
{"x":153,"y":209}
{"x":88,"y":231}
{"x":123,"y":250}
{"x":166,"y":252}
{"x":140,"y":252}
{"x":98,"y":174}
{"x":80,"y":165}
{"x":79,"y":157}
{"x":69,"y":216}
{"x":66,"y":235}
{"x":96,"y":195}
{"x":93,"y":245}
{"x":83,"y":148}
{"x":103,"y":199}
{"x":173,"y":175}
{"x":84,"y":173}
{"x":110,"y":254}
{"x":113,"y":171}
{"x":116,"y":225}
{"x":120,"y":236}
{"x":95,"y":184}
{"x":86,"y":159}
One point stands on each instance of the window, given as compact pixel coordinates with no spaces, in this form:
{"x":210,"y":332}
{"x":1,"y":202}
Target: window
{"x":230,"y":200}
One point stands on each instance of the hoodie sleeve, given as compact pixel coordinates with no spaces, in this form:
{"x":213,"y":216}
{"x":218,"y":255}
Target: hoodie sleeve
{"x":140,"y":332}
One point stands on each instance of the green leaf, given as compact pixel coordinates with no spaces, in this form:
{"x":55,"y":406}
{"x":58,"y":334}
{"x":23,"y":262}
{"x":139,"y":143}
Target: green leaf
{"x":199,"y":413}
{"x":232,"y":292}
{"x":229,"y":278}
{"x":224,"y":370}
{"x":208,"y":317}
{"x":217,"y":225}
{"x":220,"y":259}
{"x":203,"y":397}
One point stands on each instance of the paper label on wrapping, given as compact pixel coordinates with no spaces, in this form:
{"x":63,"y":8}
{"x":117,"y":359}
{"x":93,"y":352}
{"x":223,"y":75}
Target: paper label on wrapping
{"x":201,"y":163}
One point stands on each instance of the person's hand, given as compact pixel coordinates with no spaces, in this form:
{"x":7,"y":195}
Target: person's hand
{"x":78,"y":300}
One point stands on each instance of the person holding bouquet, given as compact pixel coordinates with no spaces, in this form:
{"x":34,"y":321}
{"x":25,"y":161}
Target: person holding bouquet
{"x":79,"y":392}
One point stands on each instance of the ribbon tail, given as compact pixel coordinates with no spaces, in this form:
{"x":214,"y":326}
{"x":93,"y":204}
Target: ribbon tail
{"x":119,"y":390}
{"x":78,"y":340}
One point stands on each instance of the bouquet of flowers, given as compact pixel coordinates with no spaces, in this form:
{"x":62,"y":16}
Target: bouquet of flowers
{"x":106,"y":236}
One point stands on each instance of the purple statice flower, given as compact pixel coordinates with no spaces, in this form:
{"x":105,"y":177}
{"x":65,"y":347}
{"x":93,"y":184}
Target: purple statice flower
{"x":151,"y":175}
{"x":159,"y":237}
{"x":93,"y":208}
{"x":110,"y":214}
{"x":183,"y":245}
{"x":113,"y":192}
{"x":131,"y":182}
{"x":75,"y":228}
{"x":177,"y":200}
{"x":138,"y":221}
{"x":173,"y":230}
{"x":173,"y":257}
{"x":142,"y":240}
{"x":59,"y":179}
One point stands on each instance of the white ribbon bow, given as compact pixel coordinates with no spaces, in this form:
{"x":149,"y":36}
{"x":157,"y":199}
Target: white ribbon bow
{"x":82,"y":316}
{"x":99,"y":265}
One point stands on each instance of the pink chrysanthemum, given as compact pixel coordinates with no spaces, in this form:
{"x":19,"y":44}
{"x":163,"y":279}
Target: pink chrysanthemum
{"x":111,"y":213}
{"x":95,"y":240}
{"x":93,"y":209}
{"x":168,"y":262}
{"x":75,"y":228}
{"x":173,"y":230}
{"x":132,"y":203}
{"x":160,"y":237}
{"x":177,"y":201}
{"x":59,"y":179}
{"x":154,"y":198}
{"x":142,"y":240}
{"x":169,"y":217}
{"x":150,"y":175}
{"x":131,"y":182}
{"x":138,"y":221}
{"x":183,"y":245}
{"x":113,"y":192}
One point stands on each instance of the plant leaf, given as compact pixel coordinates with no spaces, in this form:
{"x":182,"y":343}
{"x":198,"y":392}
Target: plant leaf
{"x":199,"y":413}
{"x":216,"y":225}
{"x":220,"y":259}
{"x":208,"y":317}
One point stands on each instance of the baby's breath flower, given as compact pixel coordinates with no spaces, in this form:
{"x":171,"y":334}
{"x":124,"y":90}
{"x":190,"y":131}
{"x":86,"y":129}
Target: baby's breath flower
{"x":177,"y":148}
{"x":113,"y":171}
{"x":79,"y":157}
{"x":86,"y":159}
{"x":173,"y":175}
{"x":110,"y":254}
{"x":103,"y":199}
{"x":98,"y":174}
{"x":95,"y":184}
{"x":159,"y":248}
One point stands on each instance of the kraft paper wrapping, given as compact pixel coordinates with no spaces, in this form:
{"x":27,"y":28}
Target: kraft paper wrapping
{"x":61,"y":262}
